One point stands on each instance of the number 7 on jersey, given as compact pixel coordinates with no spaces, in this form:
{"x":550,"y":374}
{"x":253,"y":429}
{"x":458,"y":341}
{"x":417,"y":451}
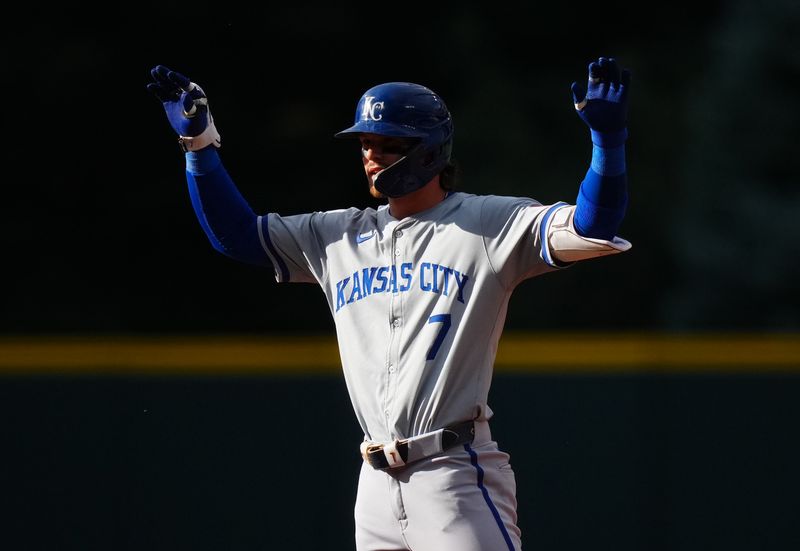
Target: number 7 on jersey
{"x":444,"y":319}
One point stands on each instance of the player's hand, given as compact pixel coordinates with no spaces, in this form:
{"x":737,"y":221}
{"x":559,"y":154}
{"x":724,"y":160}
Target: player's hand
{"x":187,"y":108}
{"x":603,"y":103}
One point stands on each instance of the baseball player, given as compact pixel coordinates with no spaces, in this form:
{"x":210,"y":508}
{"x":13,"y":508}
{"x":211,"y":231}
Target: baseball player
{"x":418,"y":289}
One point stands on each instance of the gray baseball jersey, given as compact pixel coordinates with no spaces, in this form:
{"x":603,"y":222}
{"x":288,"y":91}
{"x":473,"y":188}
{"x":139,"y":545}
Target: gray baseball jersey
{"x":420,"y":303}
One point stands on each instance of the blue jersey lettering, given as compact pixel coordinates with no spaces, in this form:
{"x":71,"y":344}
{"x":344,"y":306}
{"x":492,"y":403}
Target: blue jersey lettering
{"x":461,"y":281}
{"x":405,"y":273}
{"x":340,"y":292}
{"x":367,"y":275}
{"x":423,"y":279}
{"x":356,"y":294}
{"x":433,"y":278}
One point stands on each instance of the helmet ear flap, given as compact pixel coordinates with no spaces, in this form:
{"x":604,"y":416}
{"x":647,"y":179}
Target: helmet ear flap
{"x":441,"y":151}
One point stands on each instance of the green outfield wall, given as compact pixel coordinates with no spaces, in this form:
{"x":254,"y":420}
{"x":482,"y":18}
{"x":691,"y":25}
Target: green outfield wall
{"x":243,"y":443}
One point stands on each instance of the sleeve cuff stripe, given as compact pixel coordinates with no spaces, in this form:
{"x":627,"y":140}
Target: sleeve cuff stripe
{"x":608,"y":161}
{"x":266,"y":242}
{"x":543,"y":227}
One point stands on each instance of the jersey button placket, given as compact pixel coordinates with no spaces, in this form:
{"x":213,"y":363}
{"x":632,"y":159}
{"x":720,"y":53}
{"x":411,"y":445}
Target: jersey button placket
{"x":394,"y":327}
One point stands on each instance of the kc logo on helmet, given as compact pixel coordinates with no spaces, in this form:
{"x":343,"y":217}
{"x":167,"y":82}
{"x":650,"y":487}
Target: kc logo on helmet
{"x":371,"y":110}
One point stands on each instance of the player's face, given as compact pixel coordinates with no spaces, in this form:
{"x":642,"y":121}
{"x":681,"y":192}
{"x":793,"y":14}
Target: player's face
{"x":379,"y":152}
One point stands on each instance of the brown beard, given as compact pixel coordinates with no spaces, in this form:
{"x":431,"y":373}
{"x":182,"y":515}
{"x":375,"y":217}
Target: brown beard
{"x":374,"y":192}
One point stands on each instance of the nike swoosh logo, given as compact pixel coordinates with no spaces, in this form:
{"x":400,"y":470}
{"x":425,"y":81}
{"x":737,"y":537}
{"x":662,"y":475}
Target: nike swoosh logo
{"x":361,"y":237}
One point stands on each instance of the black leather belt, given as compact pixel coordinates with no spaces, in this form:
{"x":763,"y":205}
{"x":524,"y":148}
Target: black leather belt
{"x":452,"y":435}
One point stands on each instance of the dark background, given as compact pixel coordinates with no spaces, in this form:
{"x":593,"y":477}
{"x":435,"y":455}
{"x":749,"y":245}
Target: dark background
{"x":99,"y":238}
{"x":629,"y":463}
{"x":97,"y":230}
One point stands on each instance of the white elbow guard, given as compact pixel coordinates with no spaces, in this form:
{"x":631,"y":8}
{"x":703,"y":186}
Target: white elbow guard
{"x":566,"y":245}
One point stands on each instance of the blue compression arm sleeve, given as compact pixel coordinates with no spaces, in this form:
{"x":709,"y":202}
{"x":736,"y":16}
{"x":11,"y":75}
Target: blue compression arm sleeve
{"x":603,"y":195}
{"x":229,"y":222}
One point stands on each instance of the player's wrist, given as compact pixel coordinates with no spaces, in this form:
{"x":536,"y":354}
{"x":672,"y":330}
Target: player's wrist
{"x":202,"y":161}
{"x":609,"y":139}
{"x":210,"y":136}
{"x":608,"y":161}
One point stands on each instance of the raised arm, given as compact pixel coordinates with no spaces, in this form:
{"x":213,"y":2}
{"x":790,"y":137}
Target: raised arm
{"x":603,"y":106}
{"x":589,"y":228}
{"x":227,"y":219}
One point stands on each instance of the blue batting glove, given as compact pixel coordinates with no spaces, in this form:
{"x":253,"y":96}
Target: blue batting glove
{"x":603,"y":105}
{"x":187,"y":108}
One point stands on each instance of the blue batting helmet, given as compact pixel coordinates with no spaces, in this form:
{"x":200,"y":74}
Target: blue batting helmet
{"x":406,"y":110}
